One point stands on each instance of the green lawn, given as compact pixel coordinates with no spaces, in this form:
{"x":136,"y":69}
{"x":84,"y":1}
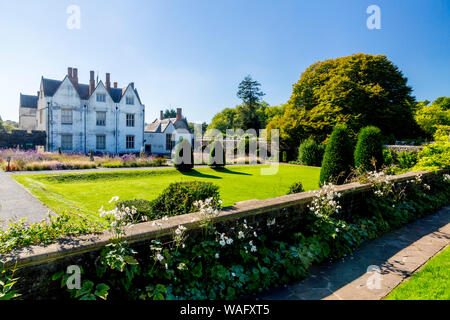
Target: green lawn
{"x":87,"y":192}
{"x":432,"y":282}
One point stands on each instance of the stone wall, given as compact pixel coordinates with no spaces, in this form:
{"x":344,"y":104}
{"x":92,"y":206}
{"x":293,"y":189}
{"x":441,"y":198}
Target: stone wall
{"x":276,"y":218}
{"x":22,"y":139}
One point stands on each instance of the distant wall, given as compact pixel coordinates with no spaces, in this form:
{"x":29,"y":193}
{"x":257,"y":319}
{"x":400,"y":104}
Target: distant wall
{"x":22,"y":139}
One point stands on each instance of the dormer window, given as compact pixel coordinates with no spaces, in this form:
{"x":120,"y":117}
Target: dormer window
{"x":101,"y":97}
{"x":130,"y":100}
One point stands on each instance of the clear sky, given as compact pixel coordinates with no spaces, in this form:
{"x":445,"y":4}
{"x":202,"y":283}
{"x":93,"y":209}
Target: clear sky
{"x":194,"y":53}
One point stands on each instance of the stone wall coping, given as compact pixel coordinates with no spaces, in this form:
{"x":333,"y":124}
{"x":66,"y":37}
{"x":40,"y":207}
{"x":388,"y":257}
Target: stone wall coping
{"x":38,"y":254}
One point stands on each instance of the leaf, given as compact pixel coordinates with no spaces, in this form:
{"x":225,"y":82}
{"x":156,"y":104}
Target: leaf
{"x":86,"y":288}
{"x":101,"y":291}
{"x":88,"y":296}
{"x":58,"y":275}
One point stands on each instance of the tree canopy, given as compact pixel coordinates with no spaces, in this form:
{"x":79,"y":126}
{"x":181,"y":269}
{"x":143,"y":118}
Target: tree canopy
{"x":169,"y":113}
{"x":358,"y":90}
{"x":429,"y":117}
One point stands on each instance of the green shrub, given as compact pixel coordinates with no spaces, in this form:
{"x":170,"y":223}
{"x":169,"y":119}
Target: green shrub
{"x":369,"y":149}
{"x":214,"y":160}
{"x":407,"y":160}
{"x":284,"y":157}
{"x":434,"y":156}
{"x":179,"y":197}
{"x":389,"y":157}
{"x":296,"y":188}
{"x":310,"y":153}
{"x":179,"y":160}
{"x":338,"y":158}
{"x":143,"y":207}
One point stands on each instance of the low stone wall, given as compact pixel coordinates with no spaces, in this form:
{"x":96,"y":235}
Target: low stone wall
{"x":22,"y":139}
{"x":404,"y":148}
{"x":275,"y":217}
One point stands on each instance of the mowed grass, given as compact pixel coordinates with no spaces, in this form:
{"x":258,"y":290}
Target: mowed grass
{"x":432,"y":282}
{"x":85,"y":193}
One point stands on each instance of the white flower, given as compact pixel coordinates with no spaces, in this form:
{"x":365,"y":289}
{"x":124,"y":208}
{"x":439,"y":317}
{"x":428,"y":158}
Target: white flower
{"x":229,"y":241}
{"x":222,"y":242}
{"x":253,"y":249}
{"x":241,"y":235}
{"x":233,"y":274}
{"x":165,"y":218}
{"x":114,"y":199}
{"x":160,"y":257}
{"x":255,"y":234}
{"x":217,"y":256}
{"x":167,"y":267}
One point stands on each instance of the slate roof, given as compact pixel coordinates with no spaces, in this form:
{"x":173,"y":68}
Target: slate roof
{"x":159,"y":126}
{"x":27,"y":101}
{"x":50,"y":87}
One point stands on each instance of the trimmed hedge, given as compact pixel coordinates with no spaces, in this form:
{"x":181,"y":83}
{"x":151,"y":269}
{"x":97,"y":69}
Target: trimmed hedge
{"x":214,"y":160}
{"x":179,"y":162}
{"x":368,"y":149}
{"x":338,"y":159}
{"x":310,"y":153}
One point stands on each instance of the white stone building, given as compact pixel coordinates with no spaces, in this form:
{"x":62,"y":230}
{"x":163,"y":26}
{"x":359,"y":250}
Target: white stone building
{"x":162,"y":134}
{"x":80,"y":118}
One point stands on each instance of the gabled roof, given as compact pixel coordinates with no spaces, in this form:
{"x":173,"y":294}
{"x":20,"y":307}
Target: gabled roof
{"x":50,"y":87}
{"x":159,"y":126}
{"x":27,"y":101}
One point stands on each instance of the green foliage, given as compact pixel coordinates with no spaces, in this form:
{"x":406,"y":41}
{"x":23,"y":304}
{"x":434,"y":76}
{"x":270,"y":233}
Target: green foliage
{"x":21,"y":233}
{"x":296,"y":188}
{"x":434,"y":156}
{"x":310,"y":153}
{"x":179,"y":197}
{"x":181,"y":162}
{"x":143,"y":207}
{"x":8,"y":125}
{"x":215,"y":161}
{"x":369,"y":149}
{"x":358,"y":90}
{"x":338,"y":158}
{"x":429,"y":117}
{"x":169,"y":113}
{"x":7,"y":282}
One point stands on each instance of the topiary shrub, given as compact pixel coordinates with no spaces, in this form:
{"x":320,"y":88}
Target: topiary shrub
{"x":181,"y":162}
{"x":338,"y":157}
{"x":369,"y":149}
{"x":296,"y":188}
{"x":215,"y":161}
{"x":310,"y":153}
{"x":179,"y":197}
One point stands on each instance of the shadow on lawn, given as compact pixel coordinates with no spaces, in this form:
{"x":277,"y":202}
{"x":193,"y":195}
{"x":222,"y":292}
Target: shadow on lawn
{"x":225,"y":170}
{"x":195,"y":173}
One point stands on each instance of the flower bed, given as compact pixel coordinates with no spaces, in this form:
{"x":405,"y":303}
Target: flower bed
{"x":37,"y":161}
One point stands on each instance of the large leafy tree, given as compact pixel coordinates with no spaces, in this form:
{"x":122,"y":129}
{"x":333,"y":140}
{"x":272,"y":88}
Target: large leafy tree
{"x":429,"y":117}
{"x":169,"y":113}
{"x":358,"y":90}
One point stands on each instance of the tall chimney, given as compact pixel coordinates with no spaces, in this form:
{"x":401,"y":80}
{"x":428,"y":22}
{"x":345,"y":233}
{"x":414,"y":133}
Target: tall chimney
{"x":69,"y":73}
{"x":75,"y":77}
{"x":132,"y":85}
{"x":115,"y":85}
{"x":161,"y":115}
{"x":179,"y":116}
{"x":91,"y":83}
{"x":108,"y":82}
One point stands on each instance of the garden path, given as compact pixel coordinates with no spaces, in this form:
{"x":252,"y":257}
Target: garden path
{"x":377,"y":267}
{"x":17,"y":203}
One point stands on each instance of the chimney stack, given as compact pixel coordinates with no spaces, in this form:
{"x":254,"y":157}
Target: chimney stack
{"x":69,"y":73}
{"x":161,"y":115}
{"x":132,"y":85}
{"x":115,"y":85}
{"x":91,"y":83}
{"x":108,"y":82}
{"x":75,"y":77}
{"x":179,"y":116}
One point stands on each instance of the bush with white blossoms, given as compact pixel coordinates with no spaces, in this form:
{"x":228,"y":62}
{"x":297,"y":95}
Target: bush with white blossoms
{"x":325,"y":201}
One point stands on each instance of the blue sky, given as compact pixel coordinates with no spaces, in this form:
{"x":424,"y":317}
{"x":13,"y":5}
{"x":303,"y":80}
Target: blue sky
{"x":193,"y":54}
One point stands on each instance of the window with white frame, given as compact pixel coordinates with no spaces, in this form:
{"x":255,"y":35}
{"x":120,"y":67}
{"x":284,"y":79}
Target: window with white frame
{"x":101,"y":118}
{"x":101,"y":97}
{"x":100,"y":142}
{"x":66,"y":116}
{"x":130,"y":100}
{"x":66,"y":142}
{"x":130,"y":142}
{"x":130,"y":119}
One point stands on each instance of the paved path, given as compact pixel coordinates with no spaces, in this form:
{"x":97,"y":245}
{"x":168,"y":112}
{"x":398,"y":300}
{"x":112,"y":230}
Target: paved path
{"x":396,"y":254}
{"x":16,"y":202}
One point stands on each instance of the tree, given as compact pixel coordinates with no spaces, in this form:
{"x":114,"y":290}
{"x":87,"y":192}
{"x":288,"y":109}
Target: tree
{"x":217,"y":156}
{"x":338,"y":158}
{"x":250,"y":93}
{"x":429,"y":117}
{"x":169,"y":113}
{"x":224,"y":120}
{"x":358,"y":90}
{"x":369,"y":148}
